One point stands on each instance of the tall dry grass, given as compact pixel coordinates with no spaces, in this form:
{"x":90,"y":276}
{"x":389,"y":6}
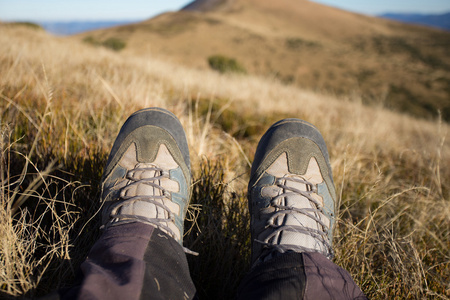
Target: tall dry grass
{"x":62,"y":104}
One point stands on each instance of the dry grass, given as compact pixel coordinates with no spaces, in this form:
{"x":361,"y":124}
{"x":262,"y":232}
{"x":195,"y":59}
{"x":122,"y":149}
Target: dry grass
{"x":63,"y":102}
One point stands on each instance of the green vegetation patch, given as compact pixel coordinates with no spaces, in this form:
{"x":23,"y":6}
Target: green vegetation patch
{"x":299,"y":43}
{"x":92,"y":41}
{"x":112,"y":43}
{"x":225,"y":64}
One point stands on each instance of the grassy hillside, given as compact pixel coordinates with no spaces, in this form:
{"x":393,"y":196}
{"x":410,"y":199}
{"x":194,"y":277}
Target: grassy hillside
{"x":404,"y":67}
{"x":62,"y":103}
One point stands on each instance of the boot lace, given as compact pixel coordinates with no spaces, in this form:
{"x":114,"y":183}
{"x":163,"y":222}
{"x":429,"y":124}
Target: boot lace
{"x":156,"y":200}
{"x":283,"y":210}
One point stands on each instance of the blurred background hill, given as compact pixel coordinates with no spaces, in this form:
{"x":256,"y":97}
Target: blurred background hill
{"x":306,"y":44}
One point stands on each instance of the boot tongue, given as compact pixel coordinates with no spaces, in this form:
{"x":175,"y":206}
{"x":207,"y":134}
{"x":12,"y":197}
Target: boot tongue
{"x":143,"y":189}
{"x":297,"y":219}
{"x":142,"y":207}
{"x":279,"y":169}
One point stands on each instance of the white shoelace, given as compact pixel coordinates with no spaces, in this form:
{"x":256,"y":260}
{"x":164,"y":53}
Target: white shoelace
{"x":282,"y":210}
{"x":152,"y":199}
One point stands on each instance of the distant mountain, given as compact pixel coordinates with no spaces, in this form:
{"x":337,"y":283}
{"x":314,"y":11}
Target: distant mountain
{"x":440,"y":21}
{"x":74,"y":27}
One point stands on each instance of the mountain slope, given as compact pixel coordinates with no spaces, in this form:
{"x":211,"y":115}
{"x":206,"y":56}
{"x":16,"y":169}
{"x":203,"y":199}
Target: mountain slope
{"x":403,"y":67}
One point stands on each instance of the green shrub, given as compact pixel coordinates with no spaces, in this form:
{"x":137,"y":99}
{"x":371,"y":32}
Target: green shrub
{"x":297,"y":43}
{"x":91,"y":40}
{"x":111,"y":43}
{"x":225,"y":64}
{"x":114,"y":44}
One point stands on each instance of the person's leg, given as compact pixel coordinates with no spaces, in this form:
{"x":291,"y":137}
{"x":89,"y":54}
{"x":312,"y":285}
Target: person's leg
{"x":292,"y":205}
{"x":145,"y":194}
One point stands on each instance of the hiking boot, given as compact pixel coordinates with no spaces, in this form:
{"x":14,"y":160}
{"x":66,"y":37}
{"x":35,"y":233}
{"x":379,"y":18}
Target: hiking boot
{"x":291,"y":192}
{"x":147,"y":176}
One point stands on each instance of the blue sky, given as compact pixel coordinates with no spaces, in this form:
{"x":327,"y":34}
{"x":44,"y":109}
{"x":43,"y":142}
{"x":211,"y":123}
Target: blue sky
{"x":59,"y":10}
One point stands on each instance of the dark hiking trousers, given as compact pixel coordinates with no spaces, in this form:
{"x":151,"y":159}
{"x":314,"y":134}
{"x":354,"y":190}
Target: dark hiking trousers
{"x":138,"y":261}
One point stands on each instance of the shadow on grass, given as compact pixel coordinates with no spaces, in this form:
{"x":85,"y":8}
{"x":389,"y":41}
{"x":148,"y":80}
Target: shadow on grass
{"x":220,"y":233}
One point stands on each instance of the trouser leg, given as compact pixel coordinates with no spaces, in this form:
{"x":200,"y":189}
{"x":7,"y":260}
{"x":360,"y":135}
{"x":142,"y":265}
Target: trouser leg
{"x":299,"y":276}
{"x":134,"y":261}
